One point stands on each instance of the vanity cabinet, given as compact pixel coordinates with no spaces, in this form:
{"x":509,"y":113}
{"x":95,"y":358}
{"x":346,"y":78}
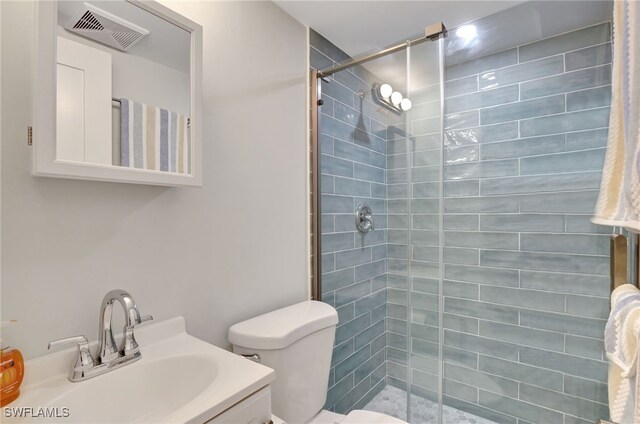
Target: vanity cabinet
{"x":255,"y":409}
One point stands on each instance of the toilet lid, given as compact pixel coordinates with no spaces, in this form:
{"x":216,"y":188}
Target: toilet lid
{"x":368,"y":417}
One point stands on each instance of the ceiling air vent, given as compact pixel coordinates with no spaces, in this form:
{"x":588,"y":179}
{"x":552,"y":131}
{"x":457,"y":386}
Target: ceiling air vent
{"x":105,"y":28}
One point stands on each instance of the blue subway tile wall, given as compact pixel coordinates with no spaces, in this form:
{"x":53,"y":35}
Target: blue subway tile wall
{"x":530,"y":308}
{"x":354,"y":281}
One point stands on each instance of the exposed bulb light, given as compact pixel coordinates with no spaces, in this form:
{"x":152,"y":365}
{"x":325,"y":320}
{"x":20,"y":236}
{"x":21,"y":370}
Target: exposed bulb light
{"x":467,"y":32}
{"x":396,"y":98}
{"x":385,"y":91}
{"x":405,"y":104}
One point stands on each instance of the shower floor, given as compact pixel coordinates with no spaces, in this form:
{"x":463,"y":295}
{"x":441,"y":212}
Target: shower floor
{"x":393,"y":401}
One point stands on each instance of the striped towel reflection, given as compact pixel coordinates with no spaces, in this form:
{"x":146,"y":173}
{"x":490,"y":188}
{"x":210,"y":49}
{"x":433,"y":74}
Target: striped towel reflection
{"x":153,"y":138}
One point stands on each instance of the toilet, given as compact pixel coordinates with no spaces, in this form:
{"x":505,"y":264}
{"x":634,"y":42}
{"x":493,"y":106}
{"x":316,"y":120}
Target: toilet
{"x":297,"y":342}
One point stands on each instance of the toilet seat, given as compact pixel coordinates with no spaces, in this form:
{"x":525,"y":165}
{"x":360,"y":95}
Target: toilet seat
{"x":369,"y":417}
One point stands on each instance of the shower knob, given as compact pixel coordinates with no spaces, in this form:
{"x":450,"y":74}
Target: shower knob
{"x":364,"y":218}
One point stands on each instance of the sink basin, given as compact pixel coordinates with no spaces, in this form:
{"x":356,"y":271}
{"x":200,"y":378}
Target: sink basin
{"x":180,"y":379}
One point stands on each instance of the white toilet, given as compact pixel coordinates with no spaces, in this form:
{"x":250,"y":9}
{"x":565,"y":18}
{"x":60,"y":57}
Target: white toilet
{"x":297,"y":342}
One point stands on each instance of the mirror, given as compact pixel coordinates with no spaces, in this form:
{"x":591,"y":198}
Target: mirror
{"x":124,"y":78}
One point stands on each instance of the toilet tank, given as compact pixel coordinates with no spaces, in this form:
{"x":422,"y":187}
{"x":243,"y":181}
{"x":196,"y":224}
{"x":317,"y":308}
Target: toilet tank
{"x":297,"y":342}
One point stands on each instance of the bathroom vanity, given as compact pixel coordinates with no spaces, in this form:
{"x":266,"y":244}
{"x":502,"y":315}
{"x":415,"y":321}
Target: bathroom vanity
{"x":179,"y":379}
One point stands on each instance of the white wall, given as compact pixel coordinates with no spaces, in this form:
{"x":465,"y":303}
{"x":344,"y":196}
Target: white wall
{"x":217,"y":255}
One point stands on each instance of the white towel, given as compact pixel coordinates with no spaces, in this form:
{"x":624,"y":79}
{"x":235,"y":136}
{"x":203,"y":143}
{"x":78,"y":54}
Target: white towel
{"x":619,"y":198}
{"x":621,"y":344}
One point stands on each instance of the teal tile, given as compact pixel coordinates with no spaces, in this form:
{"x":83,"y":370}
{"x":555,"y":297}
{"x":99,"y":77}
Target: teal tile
{"x":575,"y":202}
{"x":426,"y":253}
{"x":426,"y":126}
{"x":481,"y":380}
{"x":522,"y":222}
{"x":423,"y":190}
{"x":521,"y":372}
{"x":563,"y":83}
{"x":586,"y":389}
{"x":521,"y":297}
{"x":573,"y":40}
{"x":588,"y":306}
{"x":342,"y":351}
{"x":583,"y":224}
{"x":522,"y":110}
{"x":353,"y":257}
{"x":566,"y":243}
{"x":482,"y":99}
{"x":352,"y":293}
{"x":328,"y":263}
{"x":423,"y":158}
{"x":485,"y":240}
{"x":458,"y":356}
{"x":368,"y":335}
{"x":461,"y":222}
{"x":424,"y":332}
{"x":522,"y":72}
{"x":589,"y":99}
{"x":454,"y":255}
{"x":475,"y":274}
{"x":587,"y":139}
{"x":484,"y":63}
{"x":459,"y":120}
{"x":424,"y":206}
{"x":338,"y":391}
{"x":522,"y":336}
{"x":350,"y":187}
{"x":366,"y":172}
{"x":460,"y":290}
{"x":581,"y":264}
{"x":584,"y":346}
{"x":327,"y":184}
{"x":356,"y":153}
{"x":473,"y":309}
{"x":459,"y":390}
{"x":568,"y":364}
{"x":338,"y":92}
{"x":569,"y":404}
{"x":579,"y":326}
{"x":591,"y":56}
{"x":461,"y":324}
{"x":481,"y":345}
{"x":425,"y":380}
{"x":461,"y":86}
{"x":594,"y":285}
{"x":523,"y":147}
{"x":541,"y":183}
{"x":425,"y":174}
{"x":501,"y":168}
{"x":346,"y":330}
{"x":368,"y":303}
{"x":370,"y":270}
{"x":573,"y":121}
{"x":334,"y":166}
{"x":527,"y":411}
{"x":461,"y":188}
{"x":460,"y":154}
{"x":327,"y":223}
{"x":344,"y":222}
{"x":345,"y":405}
{"x":337,"y":241}
{"x":563,"y":162}
{"x":426,"y":109}
{"x":345,"y":313}
{"x":484,"y":134}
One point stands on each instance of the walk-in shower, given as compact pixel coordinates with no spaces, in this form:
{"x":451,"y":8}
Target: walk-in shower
{"x":481,"y":294}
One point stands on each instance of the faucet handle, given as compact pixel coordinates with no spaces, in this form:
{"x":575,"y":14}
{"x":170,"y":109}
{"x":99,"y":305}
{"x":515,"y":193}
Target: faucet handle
{"x":130,"y":345}
{"x":145,"y":318}
{"x":84,"y":360}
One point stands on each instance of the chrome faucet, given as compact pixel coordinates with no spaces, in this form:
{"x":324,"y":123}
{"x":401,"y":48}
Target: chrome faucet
{"x":109,"y":356}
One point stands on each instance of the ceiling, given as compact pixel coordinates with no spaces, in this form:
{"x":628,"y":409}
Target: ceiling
{"x":360,"y":26}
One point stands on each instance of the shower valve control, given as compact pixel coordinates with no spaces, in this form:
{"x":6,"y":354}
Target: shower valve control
{"x":364,"y":218}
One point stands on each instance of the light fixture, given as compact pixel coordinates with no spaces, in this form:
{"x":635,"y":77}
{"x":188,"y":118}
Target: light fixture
{"x":385,"y":91}
{"x":385,"y":96}
{"x":396,"y":98}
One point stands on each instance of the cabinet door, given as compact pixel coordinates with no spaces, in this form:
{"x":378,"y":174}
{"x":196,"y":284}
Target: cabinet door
{"x":256,"y":409}
{"x":83,"y":120}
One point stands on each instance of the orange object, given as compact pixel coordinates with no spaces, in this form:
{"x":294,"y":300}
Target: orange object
{"x":11,"y":373}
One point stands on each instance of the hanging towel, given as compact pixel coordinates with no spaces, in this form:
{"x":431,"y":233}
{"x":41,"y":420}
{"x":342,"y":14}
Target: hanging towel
{"x":619,"y":199}
{"x":621,"y":336}
{"x":153,"y":138}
